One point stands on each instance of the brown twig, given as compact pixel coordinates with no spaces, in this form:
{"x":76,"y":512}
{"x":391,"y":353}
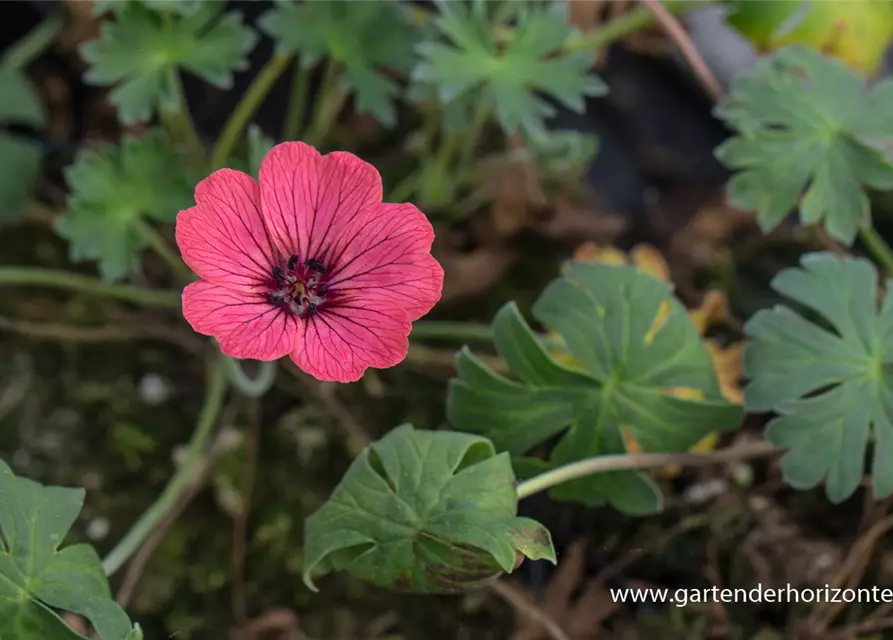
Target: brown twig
{"x":849,"y":574}
{"x":677,"y":32}
{"x":877,"y":620}
{"x":98,"y":334}
{"x":141,"y":558}
{"x":240,"y":524}
{"x":638,"y":552}
{"x":525,"y":607}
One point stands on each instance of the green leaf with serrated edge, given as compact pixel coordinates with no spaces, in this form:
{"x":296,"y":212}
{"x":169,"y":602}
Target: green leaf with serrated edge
{"x":809,"y":134}
{"x":367,"y":38}
{"x":829,"y":384}
{"x":509,"y":76}
{"x":111,"y":189}
{"x":138,"y":50}
{"x":19,"y":157}
{"x":424,"y":511}
{"x":36,"y":574}
{"x":605,"y":315}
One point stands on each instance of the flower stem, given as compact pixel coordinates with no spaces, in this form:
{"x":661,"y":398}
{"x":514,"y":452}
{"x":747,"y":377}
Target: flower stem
{"x":294,"y":120}
{"x":37,"y":277}
{"x":175,"y":117}
{"x":628,"y":23}
{"x":328,"y":103}
{"x":478,"y":121}
{"x":249,"y":104}
{"x":446,"y":330}
{"x":23,"y":52}
{"x":465,"y":331}
{"x":160,"y":246}
{"x":179,"y":482}
{"x":635,"y":461}
{"x":878,"y":247}
{"x":251,"y":387}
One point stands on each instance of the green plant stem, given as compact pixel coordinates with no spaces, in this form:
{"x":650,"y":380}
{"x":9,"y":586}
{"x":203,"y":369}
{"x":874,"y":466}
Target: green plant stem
{"x":635,"y":461}
{"x":878,"y":247}
{"x":328,"y":103}
{"x":478,"y":121}
{"x":297,"y":102}
{"x":251,"y":387}
{"x":37,"y":277}
{"x":246,"y":108}
{"x":28,"y":48}
{"x":628,"y":23}
{"x":446,"y":330}
{"x":464,"y":332}
{"x":179,"y":482}
{"x":161,"y":246}
{"x":175,"y":117}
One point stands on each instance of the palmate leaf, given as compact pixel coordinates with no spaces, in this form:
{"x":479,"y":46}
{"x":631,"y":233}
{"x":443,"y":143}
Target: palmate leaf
{"x":368,"y":38}
{"x":19,"y":157}
{"x":424,"y":511}
{"x":808,"y":133}
{"x":830,"y":384}
{"x":141,"y":50}
{"x":635,"y":347}
{"x":36,"y":574}
{"x":508,"y":76}
{"x":111,"y":189}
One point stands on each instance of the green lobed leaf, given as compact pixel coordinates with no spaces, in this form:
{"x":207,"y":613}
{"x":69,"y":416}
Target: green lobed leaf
{"x":141,"y":50}
{"x":509,"y":76}
{"x":20,"y":157}
{"x":629,"y":363}
{"x":424,"y":511}
{"x":809,"y":136}
{"x":832,"y":385}
{"x":112,"y":188}
{"x":37,"y":576}
{"x":367,"y":38}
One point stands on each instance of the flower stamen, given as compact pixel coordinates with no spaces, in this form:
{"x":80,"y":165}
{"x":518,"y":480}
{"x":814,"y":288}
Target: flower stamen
{"x":299,"y":288}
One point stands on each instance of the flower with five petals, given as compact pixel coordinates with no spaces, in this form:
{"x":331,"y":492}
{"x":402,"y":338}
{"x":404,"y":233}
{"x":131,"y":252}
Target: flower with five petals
{"x":307,"y":262}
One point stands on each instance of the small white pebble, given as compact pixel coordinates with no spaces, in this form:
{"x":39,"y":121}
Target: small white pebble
{"x":154,"y":390}
{"x":704,"y":491}
{"x":98,"y":529}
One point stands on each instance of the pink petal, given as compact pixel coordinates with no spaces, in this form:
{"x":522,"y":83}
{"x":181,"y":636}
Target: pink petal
{"x":223,"y":238}
{"x":385,"y":260}
{"x":340,"y":344}
{"x":309,"y":199}
{"x":245,"y":324}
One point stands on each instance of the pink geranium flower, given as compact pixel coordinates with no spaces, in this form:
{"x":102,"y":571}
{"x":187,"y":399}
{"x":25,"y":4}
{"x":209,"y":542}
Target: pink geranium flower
{"x":308,"y":262}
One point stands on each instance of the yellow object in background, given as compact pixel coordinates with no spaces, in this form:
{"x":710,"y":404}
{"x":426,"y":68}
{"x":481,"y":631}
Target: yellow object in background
{"x":855,"y":31}
{"x":726,"y":360}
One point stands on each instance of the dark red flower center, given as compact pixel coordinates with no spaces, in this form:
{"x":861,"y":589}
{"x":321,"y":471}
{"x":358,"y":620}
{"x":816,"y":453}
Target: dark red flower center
{"x":299,"y":287}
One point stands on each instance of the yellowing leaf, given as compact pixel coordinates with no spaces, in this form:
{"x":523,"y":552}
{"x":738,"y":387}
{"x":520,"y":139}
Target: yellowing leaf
{"x":726,"y":360}
{"x":855,"y":32}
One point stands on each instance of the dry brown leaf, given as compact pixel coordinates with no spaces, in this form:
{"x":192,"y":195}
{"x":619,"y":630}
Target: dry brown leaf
{"x":81,"y":25}
{"x":469,"y":274}
{"x":570,"y":221}
{"x":278,"y":624}
{"x":581,"y":617}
